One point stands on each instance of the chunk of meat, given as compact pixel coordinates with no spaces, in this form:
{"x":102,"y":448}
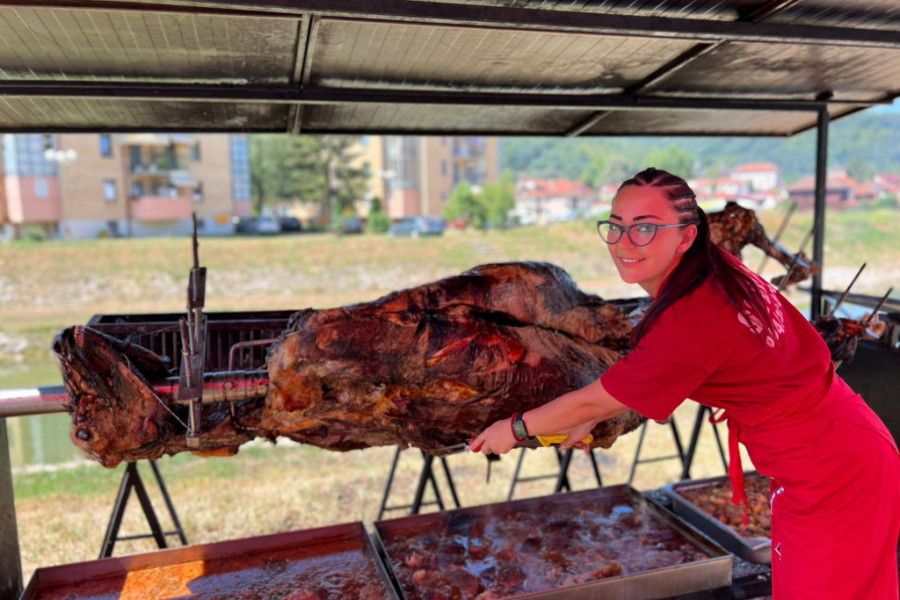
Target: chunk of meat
{"x":734,"y":227}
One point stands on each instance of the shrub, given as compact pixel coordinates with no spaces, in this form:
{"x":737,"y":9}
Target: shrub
{"x":35,"y":234}
{"x":379,"y":222}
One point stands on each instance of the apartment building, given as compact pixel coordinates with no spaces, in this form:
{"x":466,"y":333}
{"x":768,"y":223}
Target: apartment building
{"x":79,"y":186}
{"x":415,"y":175}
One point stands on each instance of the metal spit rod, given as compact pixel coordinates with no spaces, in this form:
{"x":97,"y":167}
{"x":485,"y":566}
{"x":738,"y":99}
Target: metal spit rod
{"x":793,"y":264}
{"x":225,"y":386}
{"x":846,"y":291}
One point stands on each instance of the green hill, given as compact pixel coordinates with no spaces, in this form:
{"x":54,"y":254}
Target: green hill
{"x":864,"y":143}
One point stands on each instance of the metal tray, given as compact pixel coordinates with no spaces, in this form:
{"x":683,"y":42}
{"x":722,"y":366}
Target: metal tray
{"x":757,"y":550}
{"x":252,"y":568}
{"x":650,"y":584}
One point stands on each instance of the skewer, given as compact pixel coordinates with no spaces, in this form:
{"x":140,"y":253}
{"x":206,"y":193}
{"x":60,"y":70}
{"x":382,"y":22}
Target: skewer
{"x":846,"y":291}
{"x":865,"y":322}
{"x":796,"y":258}
{"x":193,"y":344}
{"x":781,"y":228}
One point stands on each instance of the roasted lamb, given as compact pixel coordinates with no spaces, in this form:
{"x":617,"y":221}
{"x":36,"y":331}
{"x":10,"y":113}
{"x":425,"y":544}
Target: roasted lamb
{"x":428,"y":367}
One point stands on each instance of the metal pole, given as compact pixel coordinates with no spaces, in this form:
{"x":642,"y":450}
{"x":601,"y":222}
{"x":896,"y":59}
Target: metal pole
{"x":819,"y":213}
{"x":10,"y":562}
{"x":223,"y":386}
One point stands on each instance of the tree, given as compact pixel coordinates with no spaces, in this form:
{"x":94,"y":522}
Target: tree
{"x":595,"y":173}
{"x":860,"y":169}
{"x":316,"y":169}
{"x":379,"y":222}
{"x":346,"y":181}
{"x":618,"y":169}
{"x":464,"y":206}
{"x":498,"y":198}
{"x":672,"y":159}
{"x":269,"y":165}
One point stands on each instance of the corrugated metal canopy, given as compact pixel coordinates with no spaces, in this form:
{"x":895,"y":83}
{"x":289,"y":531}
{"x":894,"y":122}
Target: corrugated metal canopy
{"x":501,"y":67}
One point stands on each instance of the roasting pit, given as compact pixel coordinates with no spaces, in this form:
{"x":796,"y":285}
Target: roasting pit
{"x":607,"y":542}
{"x":338,"y":563}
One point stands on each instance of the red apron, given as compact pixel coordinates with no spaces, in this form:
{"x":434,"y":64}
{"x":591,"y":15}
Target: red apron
{"x":835,"y":499}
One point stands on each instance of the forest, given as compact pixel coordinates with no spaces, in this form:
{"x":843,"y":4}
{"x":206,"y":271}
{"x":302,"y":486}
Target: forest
{"x":863,"y":144}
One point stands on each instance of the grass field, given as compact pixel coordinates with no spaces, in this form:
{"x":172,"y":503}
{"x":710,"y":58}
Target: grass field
{"x":62,"y":512}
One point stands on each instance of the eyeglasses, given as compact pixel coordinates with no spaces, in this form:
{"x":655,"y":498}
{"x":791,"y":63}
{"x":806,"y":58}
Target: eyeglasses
{"x":640,"y":234}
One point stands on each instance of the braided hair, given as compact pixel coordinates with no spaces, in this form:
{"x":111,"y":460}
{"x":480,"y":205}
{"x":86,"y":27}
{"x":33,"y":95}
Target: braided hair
{"x":702,"y":260}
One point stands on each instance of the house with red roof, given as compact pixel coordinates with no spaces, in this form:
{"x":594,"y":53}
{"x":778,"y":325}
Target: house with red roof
{"x":548,"y":200}
{"x":757,"y":176}
{"x":887,"y":186}
{"x":841,"y":191}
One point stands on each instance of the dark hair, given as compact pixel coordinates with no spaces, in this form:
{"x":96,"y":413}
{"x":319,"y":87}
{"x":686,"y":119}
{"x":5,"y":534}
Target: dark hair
{"x":701,"y":260}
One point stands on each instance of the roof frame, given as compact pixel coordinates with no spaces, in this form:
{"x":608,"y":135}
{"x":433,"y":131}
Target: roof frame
{"x":480,"y":15}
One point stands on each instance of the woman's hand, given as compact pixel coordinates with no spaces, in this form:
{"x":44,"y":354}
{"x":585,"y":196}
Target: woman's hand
{"x":496,"y":439}
{"x":576,"y":434}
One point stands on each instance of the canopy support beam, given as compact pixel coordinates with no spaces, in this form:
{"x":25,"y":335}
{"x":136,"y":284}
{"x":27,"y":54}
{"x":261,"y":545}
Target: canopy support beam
{"x":819,"y":213}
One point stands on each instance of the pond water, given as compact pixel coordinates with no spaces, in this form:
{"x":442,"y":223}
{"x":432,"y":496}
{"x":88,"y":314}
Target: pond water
{"x":41,"y":440}
{"x":38,"y":440}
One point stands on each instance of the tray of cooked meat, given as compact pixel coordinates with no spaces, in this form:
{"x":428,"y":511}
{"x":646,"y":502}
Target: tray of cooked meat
{"x":329,"y":563}
{"x":577,"y":545}
{"x":706,"y":504}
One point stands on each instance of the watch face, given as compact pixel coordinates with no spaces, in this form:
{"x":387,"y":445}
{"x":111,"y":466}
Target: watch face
{"x":519,"y":428}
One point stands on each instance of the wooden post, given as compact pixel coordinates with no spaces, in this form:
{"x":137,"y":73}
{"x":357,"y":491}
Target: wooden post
{"x":10,"y":562}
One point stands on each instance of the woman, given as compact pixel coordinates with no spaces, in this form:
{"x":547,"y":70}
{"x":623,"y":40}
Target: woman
{"x":722,"y":336}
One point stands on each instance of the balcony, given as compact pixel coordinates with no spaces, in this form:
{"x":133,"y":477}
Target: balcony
{"x":161,"y":208}
{"x":159,"y":167}
{"x":156,"y":139}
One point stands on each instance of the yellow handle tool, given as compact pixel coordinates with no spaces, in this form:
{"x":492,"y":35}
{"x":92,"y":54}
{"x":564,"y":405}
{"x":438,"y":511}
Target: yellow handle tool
{"x":547,"y":440}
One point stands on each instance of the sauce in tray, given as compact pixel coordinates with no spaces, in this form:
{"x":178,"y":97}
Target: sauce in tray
{"x":349,"y":574}
{"x":715,"y":500}
{"x":547,"y":545}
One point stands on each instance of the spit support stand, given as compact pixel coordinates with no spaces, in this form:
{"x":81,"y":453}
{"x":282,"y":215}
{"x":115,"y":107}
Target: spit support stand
{"x":193,"y":347}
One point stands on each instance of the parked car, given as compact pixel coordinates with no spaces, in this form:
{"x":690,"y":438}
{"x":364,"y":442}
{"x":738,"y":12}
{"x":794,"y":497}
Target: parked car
{"x":244,"y":225}
{"x":256,"y":225}
{"x":416,"y":226}
{"x":290,"y":225}
{"x":351,"y":225}
{"x":265,"y":225}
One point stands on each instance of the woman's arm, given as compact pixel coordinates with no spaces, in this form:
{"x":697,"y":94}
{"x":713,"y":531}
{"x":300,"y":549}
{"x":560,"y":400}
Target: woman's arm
{"x":573,"y":413}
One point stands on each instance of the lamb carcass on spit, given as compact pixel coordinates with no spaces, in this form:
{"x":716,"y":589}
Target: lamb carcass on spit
{"x":733,"y":227}
{"x":428,"y":367}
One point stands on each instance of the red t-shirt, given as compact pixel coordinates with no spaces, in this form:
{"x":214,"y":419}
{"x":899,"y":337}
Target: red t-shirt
{"x":702,"y":348}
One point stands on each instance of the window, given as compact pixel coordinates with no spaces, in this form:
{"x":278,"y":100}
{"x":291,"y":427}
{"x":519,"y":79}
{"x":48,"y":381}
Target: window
{"x":137,"y":189}
{"x":41,"y":190}
{"x":195,"y":152}
{"x":135,"y":154}
{"x":109,"y":190}
{"x":240,"y":167}
{"x":106,"y":145}
{"x":198,"y":192}
{"x":443,"y":167}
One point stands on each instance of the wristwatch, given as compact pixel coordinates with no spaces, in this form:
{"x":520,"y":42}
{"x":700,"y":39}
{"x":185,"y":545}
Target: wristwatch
{"x":520,"y":432}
